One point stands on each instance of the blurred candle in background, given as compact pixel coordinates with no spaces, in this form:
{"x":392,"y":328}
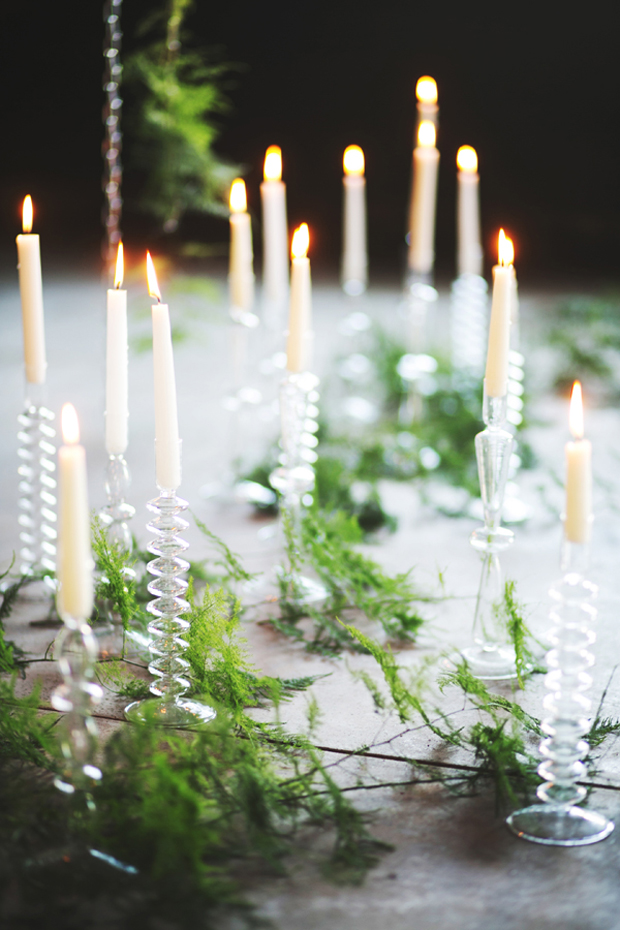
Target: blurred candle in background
{"x":426,"y":96}
{"x":496,"y":377}
{"x":299,"y":342}
{"x":354,"y":272}
{"x":241,"y":274}
{"x":167,"y":442}
{"x":275,"y":229}
{"x":469,"y":248}
{"x":31,"y":292}
{"x":578,"y":517}
{"x":423,"y":201}
{"x":75,"y":561}
{"x":116,"y":406}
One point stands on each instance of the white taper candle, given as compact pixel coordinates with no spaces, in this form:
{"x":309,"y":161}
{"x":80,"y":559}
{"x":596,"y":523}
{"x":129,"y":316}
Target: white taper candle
{"x":241,"y":274}
{"x":423,"y":201}
{"x":299,"y":341}
{"x":354,"y":273}
{"x":469,"y":253}
{"x":116,"y":406}
{"x":75,"y":562}
{"x":31,"y":292}
{"x":496,"y":376}
{"x":275,"y":228}
{"x":578,"y":517}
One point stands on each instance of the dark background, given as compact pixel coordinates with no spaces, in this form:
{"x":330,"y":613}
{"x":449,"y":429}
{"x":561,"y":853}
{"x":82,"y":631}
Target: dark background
{"x":534,"y":87}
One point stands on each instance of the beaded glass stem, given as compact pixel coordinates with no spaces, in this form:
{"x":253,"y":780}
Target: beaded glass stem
{"x":76,"y":652}
{"x":419,"y":294}
{"x":294,"y":478}
{"x":557,"y":821}
{"x":117,"y":511}
{"x":492,"y":657}
{"x":37,"y":486}
{"x":168,"y":707}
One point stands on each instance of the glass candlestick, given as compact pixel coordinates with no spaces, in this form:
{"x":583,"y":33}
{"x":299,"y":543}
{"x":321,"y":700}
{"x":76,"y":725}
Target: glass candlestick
{"x":76,"y":652}
{"x":37,"y":487}
{"x":558,"y":821}
{"x":419,"y":295}
{"x":492,"y":656}
{"x":117,"y":511}
{"x":168,"y":707}
{"x":294,"y":477}
{"x":468,"y":324}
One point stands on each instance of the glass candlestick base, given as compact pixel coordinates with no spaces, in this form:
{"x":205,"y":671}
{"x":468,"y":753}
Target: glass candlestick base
{"x":559,"y":825}
{"x":183,"y":714}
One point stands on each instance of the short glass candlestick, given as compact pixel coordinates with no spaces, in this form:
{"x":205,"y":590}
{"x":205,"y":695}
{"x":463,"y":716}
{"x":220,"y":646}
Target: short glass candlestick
{"x":558,"y":821}
{"x":37,"y":488}
{"x":76,"y":653}
{"x":492,"y":657}
{"x":168,"y":707}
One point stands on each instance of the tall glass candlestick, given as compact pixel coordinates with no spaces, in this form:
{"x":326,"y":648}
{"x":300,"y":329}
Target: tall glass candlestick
{"x":558,"y":821}
{"x":492,"y":656}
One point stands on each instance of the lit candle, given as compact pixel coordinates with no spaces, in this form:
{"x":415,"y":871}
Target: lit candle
{"x":496,"y":377}
{"x":469,"y":256}
{"x":75,"y":562}
{"x":354,"y":254}
{"x":578,"y":519}
{"x":423,"y":200}
{"x":241,"y":275}
{"x":275,"y":228}
{"x":167,"y":443}
{"x":116,"y":411}
{"x":426,"y":95}
{"x":31,"y":291}
{"x":298,"y":347}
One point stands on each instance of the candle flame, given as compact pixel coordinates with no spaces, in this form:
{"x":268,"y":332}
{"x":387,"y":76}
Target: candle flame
{"x":27,"y":214}
{"x":575,"y":415}
{"x":151,"y":278}
{"x":505,"y":249}
{"x":353,"y":160}
{"x":467,"y":159}
{"x":120,"y":267}
{"x":70,"y":425}
{"x":427,"y":134}
{"x":273,"y":164}
{"x":238,"y":196}
{"x":426,"y":90}
{"x":301,"y":241}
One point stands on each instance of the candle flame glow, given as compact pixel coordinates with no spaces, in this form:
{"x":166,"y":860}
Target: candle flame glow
{"x":70,"y":425}
{"x":427,"y":134}
{"x":505,"y":249}
{"x":353,"y":160}
{"x":575,"y":415}
{"x":301,"y":241}
{"x":151,"y":278}
{"x":273,"y":164}
{"x":120,"y":267}
{"x":467,"y":159}
{"x":238,"y":196}
{"x":27,"y":214}
{"x":426,"y":90}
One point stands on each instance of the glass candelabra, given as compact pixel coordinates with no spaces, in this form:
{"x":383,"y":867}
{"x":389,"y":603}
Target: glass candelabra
{"x":419,"y":295}
{"x":37,"y":487}
{"x":557,"y":821}
{"x":76,"y":653}
{"x":294,"y":477}
{"x":168,"y":707}
{"x":492,"y":656}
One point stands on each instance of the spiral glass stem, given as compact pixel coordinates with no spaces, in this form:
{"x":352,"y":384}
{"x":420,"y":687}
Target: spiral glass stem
{"x":492,"y":657}
{"x":37,"y":491}
{"x":169,"y":707}
{"x":468,"y":324}
{"x":76,"y":653}
{"x":294,"y":477}
{"x":557,"y":822}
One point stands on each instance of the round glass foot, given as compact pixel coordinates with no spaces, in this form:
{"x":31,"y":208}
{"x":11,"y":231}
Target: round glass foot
{"x":182,"y":714}
{"x":266,"y":588}
{"x":492,"y":664}
{"x":559,"y":826}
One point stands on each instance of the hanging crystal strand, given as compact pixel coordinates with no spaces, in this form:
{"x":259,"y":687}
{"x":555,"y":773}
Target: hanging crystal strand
{"x":168,"y":707}
{"x":468,"y":324}
{"x":37,"y":488}
{"x":557,"y":821}
{"x":492,"y":657}
{"x":113,"y":171}
{"x":76,"y":652}
{"x":419,"y":295}
{"x":294,"y":478}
